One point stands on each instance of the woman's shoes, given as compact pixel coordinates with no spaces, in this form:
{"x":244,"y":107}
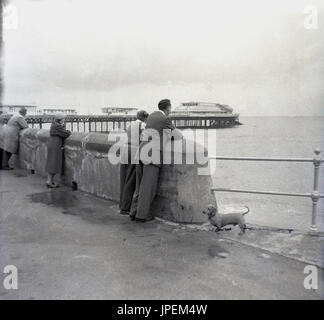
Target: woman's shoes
{"x":124,"y":213}
{"x":51,"y":185}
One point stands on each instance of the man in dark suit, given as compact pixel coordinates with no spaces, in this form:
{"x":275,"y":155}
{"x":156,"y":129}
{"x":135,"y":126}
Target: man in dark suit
{"x":159,"y":129}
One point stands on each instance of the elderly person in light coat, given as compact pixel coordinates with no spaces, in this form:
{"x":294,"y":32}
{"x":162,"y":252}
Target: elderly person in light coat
{"x":11,"y":139}
{"x":54,"y":162}
{"x":2,"y":133}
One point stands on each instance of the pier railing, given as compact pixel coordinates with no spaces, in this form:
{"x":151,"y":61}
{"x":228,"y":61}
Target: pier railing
{"x":315,"y":195}
{"x":85,"y":123}
{"x":106,"y":123}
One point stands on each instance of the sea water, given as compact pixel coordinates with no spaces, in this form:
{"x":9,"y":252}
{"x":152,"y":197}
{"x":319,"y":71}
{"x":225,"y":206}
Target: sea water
{"x":285,"y":137}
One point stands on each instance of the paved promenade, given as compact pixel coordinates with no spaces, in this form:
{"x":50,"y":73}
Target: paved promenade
{"x":71,"y":245}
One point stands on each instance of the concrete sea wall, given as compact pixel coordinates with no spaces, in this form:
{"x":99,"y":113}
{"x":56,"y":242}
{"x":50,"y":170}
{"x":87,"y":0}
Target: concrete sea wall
{"x":182,"y":192}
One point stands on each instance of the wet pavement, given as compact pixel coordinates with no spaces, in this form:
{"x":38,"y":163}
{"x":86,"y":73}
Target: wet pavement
{"x":71,"y":245}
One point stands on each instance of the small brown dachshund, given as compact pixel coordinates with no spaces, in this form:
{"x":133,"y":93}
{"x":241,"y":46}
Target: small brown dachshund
{"x":219,"y":220}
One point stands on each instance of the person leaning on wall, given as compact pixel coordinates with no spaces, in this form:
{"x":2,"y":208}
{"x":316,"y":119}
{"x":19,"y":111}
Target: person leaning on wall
{"x":128,"y":165}
{"x":2,"y":132}
{"x":159,"y":123}
{"x":55,"y":155}
{"x":11,"y":138}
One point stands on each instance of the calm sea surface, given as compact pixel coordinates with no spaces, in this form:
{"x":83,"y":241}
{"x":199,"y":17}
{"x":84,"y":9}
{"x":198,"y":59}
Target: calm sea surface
{"x":270,"y":137}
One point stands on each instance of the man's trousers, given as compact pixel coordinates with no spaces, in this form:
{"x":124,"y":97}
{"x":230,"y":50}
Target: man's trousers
{"x":139,"y":174}
{"x":147,"y":191}
{"x":127,"y":186}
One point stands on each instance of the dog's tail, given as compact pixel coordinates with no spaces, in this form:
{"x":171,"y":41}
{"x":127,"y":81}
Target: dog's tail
{"x":246,"y":212}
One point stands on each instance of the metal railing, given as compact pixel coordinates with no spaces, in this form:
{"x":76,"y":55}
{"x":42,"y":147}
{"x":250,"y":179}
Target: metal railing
{"x":106,"y":123}
{"x":315,"y":195}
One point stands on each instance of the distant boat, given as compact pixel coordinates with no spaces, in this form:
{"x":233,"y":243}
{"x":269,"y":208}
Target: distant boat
{"x":204,"y":115}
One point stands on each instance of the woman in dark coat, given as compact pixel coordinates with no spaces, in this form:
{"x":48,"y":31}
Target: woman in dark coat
{"x":54,"y":163}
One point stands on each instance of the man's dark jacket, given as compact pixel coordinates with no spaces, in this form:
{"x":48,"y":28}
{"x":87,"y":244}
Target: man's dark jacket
{"x":158,"y":125}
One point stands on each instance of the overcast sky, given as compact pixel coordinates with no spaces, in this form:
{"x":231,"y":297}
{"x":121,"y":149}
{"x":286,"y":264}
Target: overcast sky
{"x":256,"y":56}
